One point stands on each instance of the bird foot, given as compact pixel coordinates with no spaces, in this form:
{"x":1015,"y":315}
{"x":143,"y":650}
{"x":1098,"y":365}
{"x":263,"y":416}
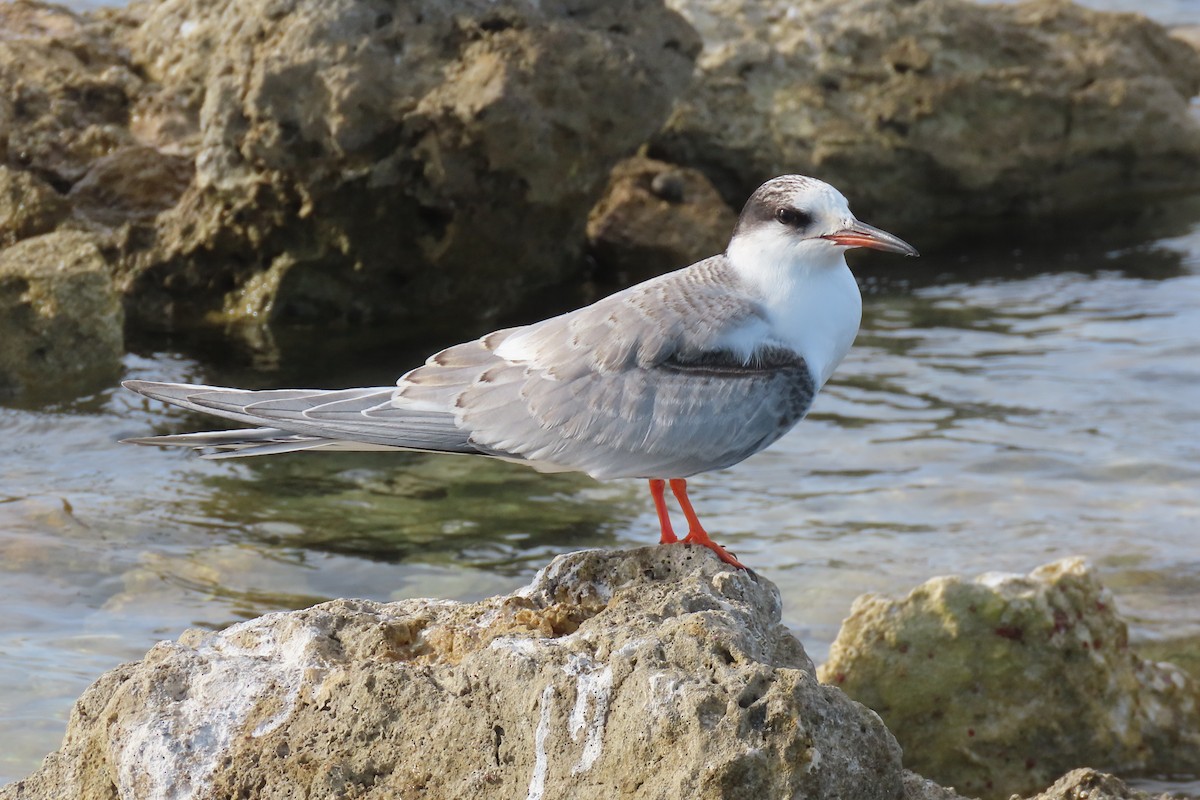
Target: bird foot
{"x":700,"y":537}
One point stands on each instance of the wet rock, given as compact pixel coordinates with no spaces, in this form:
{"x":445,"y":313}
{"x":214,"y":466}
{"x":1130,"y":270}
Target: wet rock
{"x":28,"y":206}
{"x":1001,"y":684}
{"x":60,"y":315}
{"x":655,"y":217}
{"x":654,"y":673}
{"x":383,"y":160}
{"x":940,"y":117}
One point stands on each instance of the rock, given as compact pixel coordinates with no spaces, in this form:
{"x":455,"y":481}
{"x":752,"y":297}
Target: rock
{"x":1001,"y":684}
{"x":655,"y":217}
{"x":1088,"y":784}
{"x":60,"y":316}
{"x":132,"y":184}
{"x":655,"y":673}
{"x":28,"y":206}
{"x":65,"y":92}
{"x":941,"y":117}
{"x":380,"y":160}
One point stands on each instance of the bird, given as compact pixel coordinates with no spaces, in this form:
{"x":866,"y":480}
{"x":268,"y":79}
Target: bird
{"x":691,"y":371}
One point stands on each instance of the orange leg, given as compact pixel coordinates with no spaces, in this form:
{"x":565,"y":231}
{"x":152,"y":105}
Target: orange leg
{"x":657,"y":485}
{"x":696,"y":532}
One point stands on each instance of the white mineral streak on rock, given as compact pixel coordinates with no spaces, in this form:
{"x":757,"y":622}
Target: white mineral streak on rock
{"x":593,"y":689}
{"x":522,"y":646}
{"x":541,"y":763}
{"x":172,"y":754}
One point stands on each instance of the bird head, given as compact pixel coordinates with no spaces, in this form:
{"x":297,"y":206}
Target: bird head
{"x":794,"y":218}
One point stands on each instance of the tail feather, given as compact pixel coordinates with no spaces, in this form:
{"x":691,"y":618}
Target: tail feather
{"x":306,"y":419}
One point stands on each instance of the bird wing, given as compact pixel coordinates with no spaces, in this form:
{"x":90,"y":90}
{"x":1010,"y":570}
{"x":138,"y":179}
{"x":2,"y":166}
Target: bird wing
{"x":672,"y":377}
{"x":666,"y":379}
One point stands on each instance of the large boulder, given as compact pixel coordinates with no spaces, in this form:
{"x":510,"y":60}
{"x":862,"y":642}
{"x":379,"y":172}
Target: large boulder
{"x":654,"y":673}
{"x":1000,"y":684}
{"x":61,"y":322}
{"x":940,"y":117}
{"x":386,"y":159}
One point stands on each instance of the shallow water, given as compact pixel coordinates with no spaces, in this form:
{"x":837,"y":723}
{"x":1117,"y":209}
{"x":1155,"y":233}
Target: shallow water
{"x":994,"y":423}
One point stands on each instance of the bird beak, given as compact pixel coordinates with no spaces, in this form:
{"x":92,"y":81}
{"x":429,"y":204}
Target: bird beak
{"x":860,"y":234}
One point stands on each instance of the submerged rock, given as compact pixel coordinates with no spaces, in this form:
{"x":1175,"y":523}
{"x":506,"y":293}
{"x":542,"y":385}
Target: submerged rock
{"x":656,"y":673}
{"x":1001,"y":684}
{"x":940,"y":116}
{"x":61,"y":324}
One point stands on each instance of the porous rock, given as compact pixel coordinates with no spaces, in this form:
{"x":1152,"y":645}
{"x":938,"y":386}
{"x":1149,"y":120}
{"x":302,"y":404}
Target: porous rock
{"x":66,"y":92}
{"x":1001,"y":684}
{"x":940,"y":117}
{"x":1088,"y":784}
{"x":385,"y":159}
{"x":61,"y":322}
{"x":28,"y":206}
{"x":655,"y":217}
{"x":653,"y":673}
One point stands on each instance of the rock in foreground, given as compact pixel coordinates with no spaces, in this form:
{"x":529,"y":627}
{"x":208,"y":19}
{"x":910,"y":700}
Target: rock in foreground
{"x":1002,"y":684}
{"x":655,"y":673}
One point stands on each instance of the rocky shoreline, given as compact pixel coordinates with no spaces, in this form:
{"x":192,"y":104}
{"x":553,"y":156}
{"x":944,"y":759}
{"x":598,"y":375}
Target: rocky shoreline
{"x":657,"y":672}
{"x":240,"y":165}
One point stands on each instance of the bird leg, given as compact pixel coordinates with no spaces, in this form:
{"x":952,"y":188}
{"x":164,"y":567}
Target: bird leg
{"x":696,"y":533}
{"x":657,"y":486}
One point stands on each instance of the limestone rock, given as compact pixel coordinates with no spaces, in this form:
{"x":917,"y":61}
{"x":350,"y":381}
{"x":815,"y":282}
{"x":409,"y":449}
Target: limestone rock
{"x":65,"y":92}
{"x":1088,"y":784}
{"x":653,"y":673}
{"x":61,"y":323}
{"x":28,"y":206}
{"x":655,"y":217}
{"x":1001,"y":684}
{"x":940,"y":116}
{"x":384,"y":160}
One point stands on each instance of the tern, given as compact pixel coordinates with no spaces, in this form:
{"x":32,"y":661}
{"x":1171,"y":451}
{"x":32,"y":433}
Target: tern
{"x":689,"y":372}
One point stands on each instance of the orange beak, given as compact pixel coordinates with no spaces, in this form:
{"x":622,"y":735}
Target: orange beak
{"x":860,"y":234}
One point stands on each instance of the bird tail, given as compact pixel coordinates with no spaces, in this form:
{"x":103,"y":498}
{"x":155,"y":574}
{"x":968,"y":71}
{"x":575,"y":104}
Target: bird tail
{"x":288,"y":420}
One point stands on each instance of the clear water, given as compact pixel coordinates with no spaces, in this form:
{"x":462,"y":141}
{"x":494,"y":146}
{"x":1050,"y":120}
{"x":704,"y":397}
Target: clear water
{"x":980,"y":423}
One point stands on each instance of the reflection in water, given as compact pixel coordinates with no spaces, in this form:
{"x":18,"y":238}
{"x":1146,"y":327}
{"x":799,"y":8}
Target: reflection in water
{"x":994,"y":424}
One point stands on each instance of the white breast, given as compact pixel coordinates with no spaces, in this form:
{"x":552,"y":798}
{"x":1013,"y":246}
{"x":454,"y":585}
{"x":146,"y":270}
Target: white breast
{"x":812,"y":301}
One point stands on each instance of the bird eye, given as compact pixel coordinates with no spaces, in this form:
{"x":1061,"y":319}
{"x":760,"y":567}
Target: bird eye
{"x":792,"y":218}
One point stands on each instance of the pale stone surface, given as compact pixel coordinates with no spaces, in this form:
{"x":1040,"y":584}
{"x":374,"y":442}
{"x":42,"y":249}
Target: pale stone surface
{"x":1088,"y":784}
{"x":655,"y":217}
{"x":940,"y":116}
{"x":653,"y":673}
{"x":61,"y":324}
{"x":1001,"y":684}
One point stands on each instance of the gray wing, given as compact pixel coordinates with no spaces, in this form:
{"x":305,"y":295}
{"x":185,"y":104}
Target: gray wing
{"x":305,"y":419}
{"x":654,"y":381}
{"x":644,"y":383}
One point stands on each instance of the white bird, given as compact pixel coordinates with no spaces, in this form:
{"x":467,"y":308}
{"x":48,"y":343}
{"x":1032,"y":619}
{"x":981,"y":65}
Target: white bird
{"x":692,"y":371}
